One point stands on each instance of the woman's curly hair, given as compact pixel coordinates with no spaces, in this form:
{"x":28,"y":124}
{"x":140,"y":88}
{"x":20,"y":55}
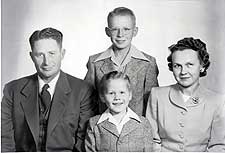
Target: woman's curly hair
{"x":194,"y":44}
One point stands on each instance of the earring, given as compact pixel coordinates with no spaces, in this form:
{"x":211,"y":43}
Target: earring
{"x":201,"y":70}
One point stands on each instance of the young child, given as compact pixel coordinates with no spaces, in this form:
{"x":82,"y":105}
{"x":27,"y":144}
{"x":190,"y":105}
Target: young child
{"x":118,"y":129}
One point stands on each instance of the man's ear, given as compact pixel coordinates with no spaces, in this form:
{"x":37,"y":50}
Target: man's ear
{"x":63,"y":52}
{"x":107,"y":31}
{"x":135,"y":31}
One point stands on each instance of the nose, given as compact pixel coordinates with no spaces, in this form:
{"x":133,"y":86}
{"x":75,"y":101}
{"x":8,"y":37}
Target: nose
{"x":183,"y":70}
{"x":45,"y":60}
{"x":116,"y":96}
{"x":120,"y":32}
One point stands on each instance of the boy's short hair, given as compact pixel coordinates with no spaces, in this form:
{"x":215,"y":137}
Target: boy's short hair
{"x":112,"y":76}
{"x":121,"y":11}
{"x":47,"y":33}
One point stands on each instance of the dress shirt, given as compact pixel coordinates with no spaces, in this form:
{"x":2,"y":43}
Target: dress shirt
{"x":51,"y":84}
{"x":119,"y":125}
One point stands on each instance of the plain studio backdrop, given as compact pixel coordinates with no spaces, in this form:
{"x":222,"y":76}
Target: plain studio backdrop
{"x":82,"y":22}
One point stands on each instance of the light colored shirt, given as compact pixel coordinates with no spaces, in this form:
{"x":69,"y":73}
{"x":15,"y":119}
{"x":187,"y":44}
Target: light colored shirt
{"x":51,"y":84}
{"x":119,"y":125}
{"x":133,"y":52}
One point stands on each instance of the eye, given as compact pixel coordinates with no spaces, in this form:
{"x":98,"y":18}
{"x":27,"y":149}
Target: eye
{"x":38,"y":54}
{"x":111,"y":93}
{"x":126,"y":29}
{"x":52,"y":52}
{"x":122,"y":92}
{"x":190,"y":65}
{"x":176,"y":66}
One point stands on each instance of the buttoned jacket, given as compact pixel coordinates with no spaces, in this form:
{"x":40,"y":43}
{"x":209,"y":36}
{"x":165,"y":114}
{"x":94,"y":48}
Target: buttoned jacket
{"x":141,"y":69}
{"x":195,"y":125}
{"x":135,"y":136}
{"x":70,"y":110}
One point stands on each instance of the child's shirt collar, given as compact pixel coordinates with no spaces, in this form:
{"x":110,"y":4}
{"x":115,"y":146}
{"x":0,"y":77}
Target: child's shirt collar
{"x":108,"y":116}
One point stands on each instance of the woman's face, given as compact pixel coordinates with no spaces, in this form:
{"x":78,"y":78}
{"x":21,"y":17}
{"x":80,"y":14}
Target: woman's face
{"x":186,"y":67}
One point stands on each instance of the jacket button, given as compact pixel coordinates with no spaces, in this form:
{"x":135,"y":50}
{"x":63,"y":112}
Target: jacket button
{"x":181,"y":136}
{"x":181,"y":146}
{"x":181,"y":124}
{"x":183,"y":112}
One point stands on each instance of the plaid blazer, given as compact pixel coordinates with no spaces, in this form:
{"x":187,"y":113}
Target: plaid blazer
{"x":135,"y":136}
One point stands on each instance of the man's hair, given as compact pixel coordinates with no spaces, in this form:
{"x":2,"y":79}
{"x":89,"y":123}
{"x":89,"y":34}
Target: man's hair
{"x":47,"y":33}
{"x":122,"y":11}
{"x":193,"y":44}
{"x":112,"y":76}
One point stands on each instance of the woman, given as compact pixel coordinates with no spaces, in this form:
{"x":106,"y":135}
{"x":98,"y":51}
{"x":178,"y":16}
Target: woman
{"x":186,"y":116}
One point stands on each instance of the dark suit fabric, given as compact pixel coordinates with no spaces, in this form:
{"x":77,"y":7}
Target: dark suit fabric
{"x":71,"y":108}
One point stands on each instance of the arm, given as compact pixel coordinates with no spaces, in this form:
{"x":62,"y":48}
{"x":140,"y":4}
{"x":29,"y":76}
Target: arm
{"x":90,"y":76}
{"x":150,"y":79}
{"x":7,"y":129}
{"x":217,"y":140}
{"x":148,"y":139}
{"x":152,"y":116}
{"x":88,"y":109}
{"x":90,"y":139}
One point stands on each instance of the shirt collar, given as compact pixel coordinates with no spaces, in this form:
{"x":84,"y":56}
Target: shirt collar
{"x":134,"y":52}
{"x":107,"y":115}
{"x":51,"y":84}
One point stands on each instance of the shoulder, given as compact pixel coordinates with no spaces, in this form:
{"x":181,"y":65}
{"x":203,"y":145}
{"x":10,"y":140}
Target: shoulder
{"x":92,"y":58}
{"x":149,"y":57}
{"x":145,"y":123}
{"x":162,"y":89}
{"x":213,"y":97}
{"x":74,"y":80}
{"x":20,"y":83}
{"x":93,"y":120}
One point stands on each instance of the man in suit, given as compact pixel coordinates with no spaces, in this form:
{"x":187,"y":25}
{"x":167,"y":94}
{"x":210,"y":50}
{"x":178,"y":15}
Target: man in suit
{"x":124,"y":57}
{"x":46,"y":111}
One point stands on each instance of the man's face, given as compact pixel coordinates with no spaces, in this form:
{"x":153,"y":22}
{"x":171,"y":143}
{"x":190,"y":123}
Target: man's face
{"x":47,"y":56}
{"x":186,"y":67}
{"x":117,"y":96}
{"x":121,"y":30}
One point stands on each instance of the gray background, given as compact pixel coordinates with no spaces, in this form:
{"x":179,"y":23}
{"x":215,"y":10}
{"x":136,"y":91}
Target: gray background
{"x":161,"y":23}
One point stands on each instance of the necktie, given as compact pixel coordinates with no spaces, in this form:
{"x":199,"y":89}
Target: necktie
{"x":45,"y":96}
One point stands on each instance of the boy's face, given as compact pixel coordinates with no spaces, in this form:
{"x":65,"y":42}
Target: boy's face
{"x":117,"y":96}
{"x":121,"y":30}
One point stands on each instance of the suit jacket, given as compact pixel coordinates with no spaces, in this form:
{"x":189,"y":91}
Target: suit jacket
{"x":142,"y":73}
{"x":71,"y":108}
{"x":135,"y":136}
{"x":195,"y":125}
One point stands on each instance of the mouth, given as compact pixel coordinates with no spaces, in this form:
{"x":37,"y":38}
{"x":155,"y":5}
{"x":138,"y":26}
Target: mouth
{"x":117,"y":103}
{"x":120,"y":41}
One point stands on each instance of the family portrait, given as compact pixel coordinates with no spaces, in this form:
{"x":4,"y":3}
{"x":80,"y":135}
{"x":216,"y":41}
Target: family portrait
{"x":112,"y":76}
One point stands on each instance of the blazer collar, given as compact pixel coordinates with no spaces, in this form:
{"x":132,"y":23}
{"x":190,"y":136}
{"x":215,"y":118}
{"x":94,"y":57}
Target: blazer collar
{"x":131,"y":125}
{"x":134,"y":52}
{"x":29,"y":102}
{"x":177,"y":99}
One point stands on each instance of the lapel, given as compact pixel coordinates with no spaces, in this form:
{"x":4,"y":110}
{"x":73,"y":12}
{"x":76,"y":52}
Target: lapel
{"x":176,"y":97}
{"x":109,"y":127}
{"x":131,"y":125}
{"x":133,"y":67}
{"x":107,"y":66}
{"x":30,"y":106}
{"x":59,"y":101}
